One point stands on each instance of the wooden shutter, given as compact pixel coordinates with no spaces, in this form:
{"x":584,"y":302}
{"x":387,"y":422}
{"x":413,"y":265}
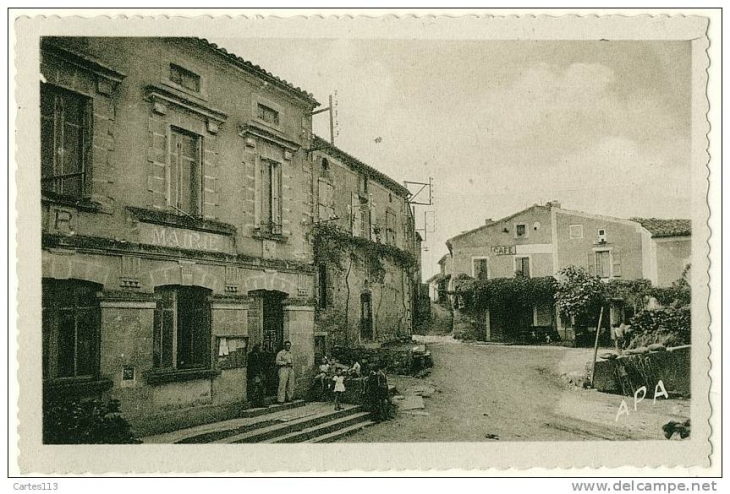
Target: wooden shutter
{"x":616,"y":263}
{"x":356,"y":215}
{"x":276,"y":198}
{"x":591,"y":263}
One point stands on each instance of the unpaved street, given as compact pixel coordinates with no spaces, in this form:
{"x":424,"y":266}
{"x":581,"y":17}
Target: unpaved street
{"x":494,"y":392}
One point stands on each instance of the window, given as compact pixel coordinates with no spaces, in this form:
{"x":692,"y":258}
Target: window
{"x":603,"y":264}
{"x":70,"y":329}
{"x":479,"y":266}
{"x":576,"y":231}
{"x":390,"y":228}
{"x":65,"y":141}
{"x":326,"y":200}
{"x":271,"y":196}
{"x":324,"y":170}
{"x":601,"y":236}
{"x":267,"y":114}
{"x":322,"y":285}
{"x":185,"y":78}
{"x":520,"y":230}
{"x":185,"y":188}
{"x":362,"y":185}
{"x":522,"y":266}
{"x":365,"y":222}
{"x":182,"y":328}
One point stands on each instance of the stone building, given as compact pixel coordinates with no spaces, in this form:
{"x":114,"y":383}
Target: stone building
{"x":368,"y":270}
{"x":177,"y":206}
{"x":541,"y":240}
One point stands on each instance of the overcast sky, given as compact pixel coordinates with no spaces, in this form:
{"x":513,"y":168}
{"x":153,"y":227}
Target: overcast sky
{"x":603,"y":127}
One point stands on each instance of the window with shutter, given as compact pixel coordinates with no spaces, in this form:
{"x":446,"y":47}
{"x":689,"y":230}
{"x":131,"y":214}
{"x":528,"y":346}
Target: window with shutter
{"x":591,"y":263}
{"x":356,"y":215}
{"x":65,"y":141}
{"x":270,"y":216}
{"x":603,"y":264}
{"x":185,"y":183}
{"x":181,"y":338}
{"x":70,"y":320}
{"x":522,"y":266}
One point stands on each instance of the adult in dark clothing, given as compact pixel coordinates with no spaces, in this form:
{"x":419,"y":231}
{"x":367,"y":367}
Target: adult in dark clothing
{"x":255,"y":374}
{"x":378,"y":397}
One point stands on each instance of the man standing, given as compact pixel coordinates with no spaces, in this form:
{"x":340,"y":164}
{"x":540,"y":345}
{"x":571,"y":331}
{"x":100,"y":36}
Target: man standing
{"x":285,"y":363}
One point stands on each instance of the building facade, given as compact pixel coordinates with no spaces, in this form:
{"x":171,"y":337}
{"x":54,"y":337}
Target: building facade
{"x":542,"y":240}
{"x":177,"y":205}
{"x":366,"y":290}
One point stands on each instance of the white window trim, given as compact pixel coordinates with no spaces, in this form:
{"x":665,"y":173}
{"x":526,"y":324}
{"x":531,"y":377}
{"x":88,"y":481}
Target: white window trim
{"x":520,"y":256}
{"x":527,"y":230}
{"x":570,"y":228}
{"x":473,"y":266}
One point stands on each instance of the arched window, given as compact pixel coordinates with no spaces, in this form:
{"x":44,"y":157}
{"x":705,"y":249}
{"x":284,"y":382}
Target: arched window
{"x":182,"y":328}
{"x":70,"y":329}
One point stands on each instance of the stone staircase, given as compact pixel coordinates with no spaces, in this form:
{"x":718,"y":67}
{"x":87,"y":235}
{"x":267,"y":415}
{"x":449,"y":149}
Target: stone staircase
{"x":295,"y":422}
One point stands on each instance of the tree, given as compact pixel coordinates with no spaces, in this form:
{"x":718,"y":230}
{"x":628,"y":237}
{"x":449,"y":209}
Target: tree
{"x":580,"y":295}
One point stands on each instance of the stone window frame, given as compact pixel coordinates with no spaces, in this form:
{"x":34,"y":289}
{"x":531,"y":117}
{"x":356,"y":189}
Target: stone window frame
{"x":190,"y":67}
{"x":259,"y":100}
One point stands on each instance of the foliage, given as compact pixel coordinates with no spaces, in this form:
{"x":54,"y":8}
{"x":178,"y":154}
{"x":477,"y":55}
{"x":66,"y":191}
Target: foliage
{"x":659,"y":323}
{"x":515,"y":293}
{"x":632,"y":292}
{"x":74,"y":421}
{"x":331,"y":242}
{"x":579,"y":294}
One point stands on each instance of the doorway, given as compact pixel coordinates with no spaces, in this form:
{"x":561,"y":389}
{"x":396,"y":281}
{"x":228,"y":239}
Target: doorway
{"x":272,"y":335}
{"x":366,"y":317}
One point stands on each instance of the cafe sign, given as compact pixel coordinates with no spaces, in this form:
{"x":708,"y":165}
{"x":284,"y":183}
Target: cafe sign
{"x":503,"y":250}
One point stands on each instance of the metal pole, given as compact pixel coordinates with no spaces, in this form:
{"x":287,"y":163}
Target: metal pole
{"x":595,"y":347}
{"x":332,"y":123}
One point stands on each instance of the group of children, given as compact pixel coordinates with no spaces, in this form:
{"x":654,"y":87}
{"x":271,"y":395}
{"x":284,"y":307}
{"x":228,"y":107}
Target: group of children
{"x":331,"y":378}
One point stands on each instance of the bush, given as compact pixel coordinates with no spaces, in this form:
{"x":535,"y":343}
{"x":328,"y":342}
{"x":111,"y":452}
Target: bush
{"x":73,"y":421}
{"x":669,"y":326}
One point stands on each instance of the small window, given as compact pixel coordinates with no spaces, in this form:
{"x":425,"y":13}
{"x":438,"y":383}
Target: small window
{"x":70,"y":329}
{"x":480,"y":268}
{"x":185,"y":78}
{"x":576,"y":231}
{"x":324,"y":171}
{"x":268,"y":115}
{"x":185,"y":188}
{"x":602,"y":236}
{"x":182,"y":328}
{"x":522,"y":266}
{"x":520,"y":230}
{"x":65,"y":141}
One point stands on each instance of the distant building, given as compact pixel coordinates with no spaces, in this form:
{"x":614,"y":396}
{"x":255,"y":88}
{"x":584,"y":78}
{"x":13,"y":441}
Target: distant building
{"x":361,"y":302}
{"x":542,"y":240}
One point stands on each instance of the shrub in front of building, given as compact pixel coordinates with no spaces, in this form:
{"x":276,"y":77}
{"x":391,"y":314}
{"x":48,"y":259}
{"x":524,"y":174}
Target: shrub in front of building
{"x":77,"y":421}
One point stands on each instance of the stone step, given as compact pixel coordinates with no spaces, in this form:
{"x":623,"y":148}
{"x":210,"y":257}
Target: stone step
{"x":270,"y":431}
{"x":247,"y":420}
{"x":340,"y":433}
{"x":321,"y":429}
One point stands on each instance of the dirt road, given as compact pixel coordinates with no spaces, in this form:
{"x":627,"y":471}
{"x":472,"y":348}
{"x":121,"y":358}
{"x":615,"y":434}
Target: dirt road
{"x":493,"y":392}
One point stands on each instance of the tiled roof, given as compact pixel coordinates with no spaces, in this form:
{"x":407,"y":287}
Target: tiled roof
{"x":264,"y":74}
{"x":666,"y":228}
{"x":323,"y":145}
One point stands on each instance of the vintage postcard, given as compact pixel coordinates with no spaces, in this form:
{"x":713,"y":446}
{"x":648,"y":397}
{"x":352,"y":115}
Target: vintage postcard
{"x":287,"y":242}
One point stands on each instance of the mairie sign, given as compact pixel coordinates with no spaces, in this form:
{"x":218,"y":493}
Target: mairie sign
{"x":183,"y":239}
{"x":503,"y":250}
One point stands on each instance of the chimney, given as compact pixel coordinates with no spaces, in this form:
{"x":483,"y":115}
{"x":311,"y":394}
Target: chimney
{"x":488,"y":221}
{"x":554,"y":204}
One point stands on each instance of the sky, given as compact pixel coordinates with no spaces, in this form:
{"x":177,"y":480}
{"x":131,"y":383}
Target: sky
{"x":601,"y":126}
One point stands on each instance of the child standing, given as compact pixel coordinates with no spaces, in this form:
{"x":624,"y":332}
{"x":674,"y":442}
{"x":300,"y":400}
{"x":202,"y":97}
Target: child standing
{"x":339,"y":381}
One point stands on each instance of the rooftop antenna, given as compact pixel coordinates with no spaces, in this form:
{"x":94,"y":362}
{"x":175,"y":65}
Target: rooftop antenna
{"x":332,"y":109}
